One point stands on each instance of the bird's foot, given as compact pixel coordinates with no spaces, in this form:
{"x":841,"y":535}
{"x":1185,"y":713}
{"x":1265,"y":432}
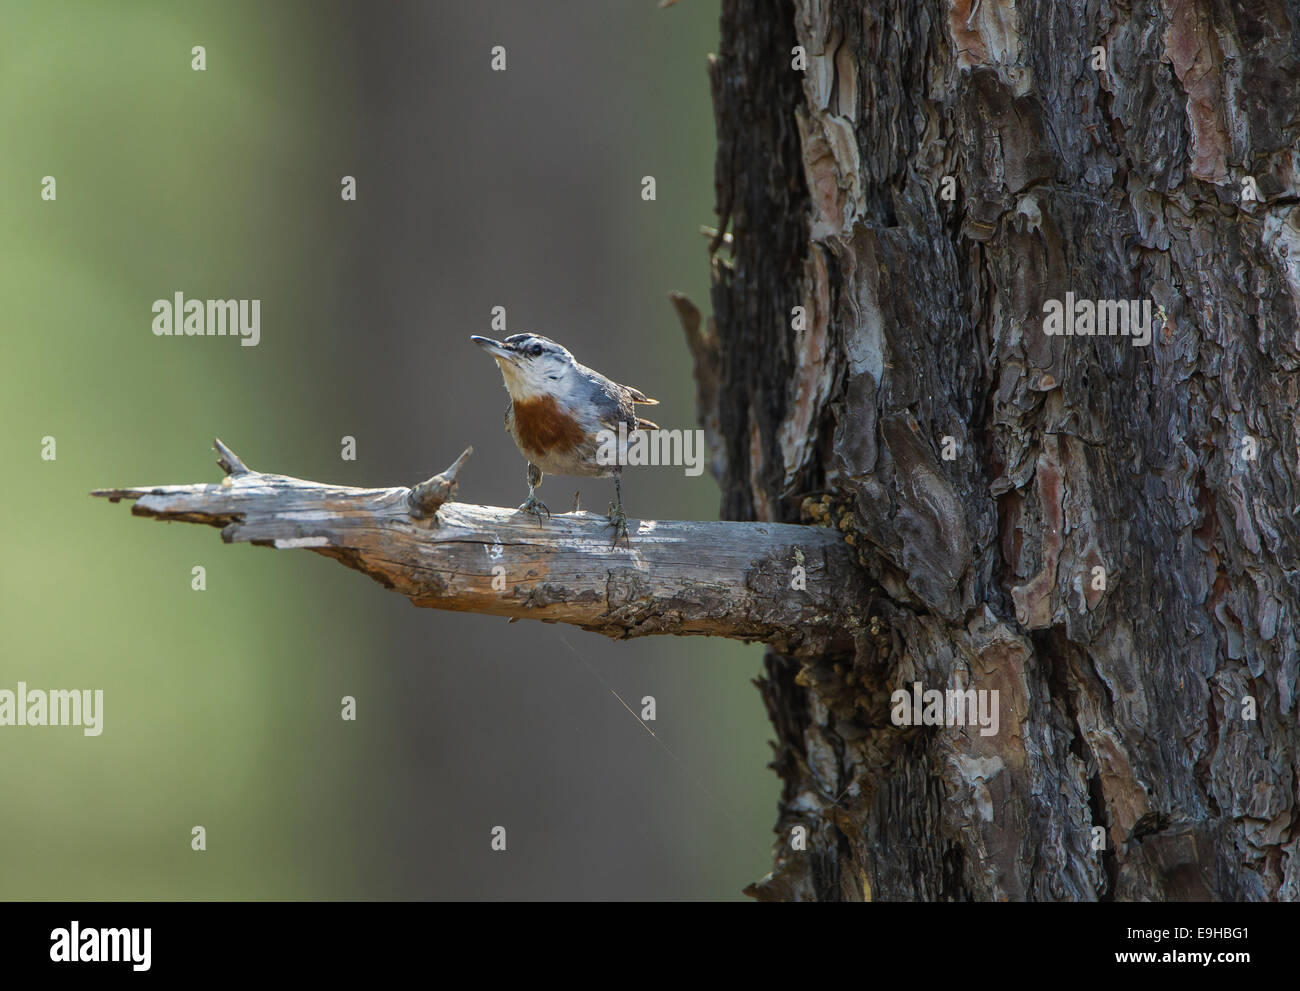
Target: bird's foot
{"x":535,"y":507}
{"x":618,"y":520}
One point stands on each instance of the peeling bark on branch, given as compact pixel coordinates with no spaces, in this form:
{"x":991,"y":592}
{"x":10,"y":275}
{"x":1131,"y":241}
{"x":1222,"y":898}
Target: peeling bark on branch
{"x":714,"y":579}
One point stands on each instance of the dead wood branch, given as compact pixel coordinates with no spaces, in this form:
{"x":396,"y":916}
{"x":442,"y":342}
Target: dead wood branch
{"x":739,"y":580}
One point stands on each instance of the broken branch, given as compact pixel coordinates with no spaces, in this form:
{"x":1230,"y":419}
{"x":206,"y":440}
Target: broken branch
{"x":791,"y":586}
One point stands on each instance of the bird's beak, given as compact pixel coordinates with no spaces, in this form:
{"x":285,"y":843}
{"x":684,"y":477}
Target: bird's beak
{"x":495,"y":348}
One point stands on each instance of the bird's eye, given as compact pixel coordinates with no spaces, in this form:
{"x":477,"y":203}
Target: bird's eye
{"x":535,"y":350}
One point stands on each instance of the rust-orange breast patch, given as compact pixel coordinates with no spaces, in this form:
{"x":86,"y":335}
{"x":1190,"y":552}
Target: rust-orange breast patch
{"x":542,"y":426}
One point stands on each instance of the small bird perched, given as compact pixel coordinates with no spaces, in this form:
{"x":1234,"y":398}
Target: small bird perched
{"x":557,"y":408}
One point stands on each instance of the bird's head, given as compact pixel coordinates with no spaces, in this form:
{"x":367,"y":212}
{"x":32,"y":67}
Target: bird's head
{"x":531,"y":365}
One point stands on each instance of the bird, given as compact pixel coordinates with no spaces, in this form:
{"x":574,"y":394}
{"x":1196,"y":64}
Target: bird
{"x":556,"y":411}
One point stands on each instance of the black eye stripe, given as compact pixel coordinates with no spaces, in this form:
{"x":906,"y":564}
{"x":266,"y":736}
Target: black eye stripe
{"x":532,"y":346}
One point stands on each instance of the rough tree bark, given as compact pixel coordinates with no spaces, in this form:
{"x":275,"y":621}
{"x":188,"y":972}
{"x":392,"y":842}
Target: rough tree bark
{"x":1172,"y":467}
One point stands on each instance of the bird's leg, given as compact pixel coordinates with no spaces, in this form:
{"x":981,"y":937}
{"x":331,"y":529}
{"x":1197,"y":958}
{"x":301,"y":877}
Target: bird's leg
{"x":532,"y":504}
{"x":617,"y":518}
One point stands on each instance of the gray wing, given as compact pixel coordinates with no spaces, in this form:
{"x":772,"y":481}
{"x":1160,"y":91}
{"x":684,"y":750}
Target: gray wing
{"x":613,"y":403}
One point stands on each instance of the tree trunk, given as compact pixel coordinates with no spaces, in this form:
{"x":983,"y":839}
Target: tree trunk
{"x":1104,"y":533}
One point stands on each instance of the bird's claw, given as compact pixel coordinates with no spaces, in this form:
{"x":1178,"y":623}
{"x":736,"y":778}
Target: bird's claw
{"x":618,"y":520}
{"x":535,"y":507}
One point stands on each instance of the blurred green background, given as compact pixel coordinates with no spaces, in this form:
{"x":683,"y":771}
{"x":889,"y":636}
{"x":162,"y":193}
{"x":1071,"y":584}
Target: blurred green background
{"x":475,"y":189}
